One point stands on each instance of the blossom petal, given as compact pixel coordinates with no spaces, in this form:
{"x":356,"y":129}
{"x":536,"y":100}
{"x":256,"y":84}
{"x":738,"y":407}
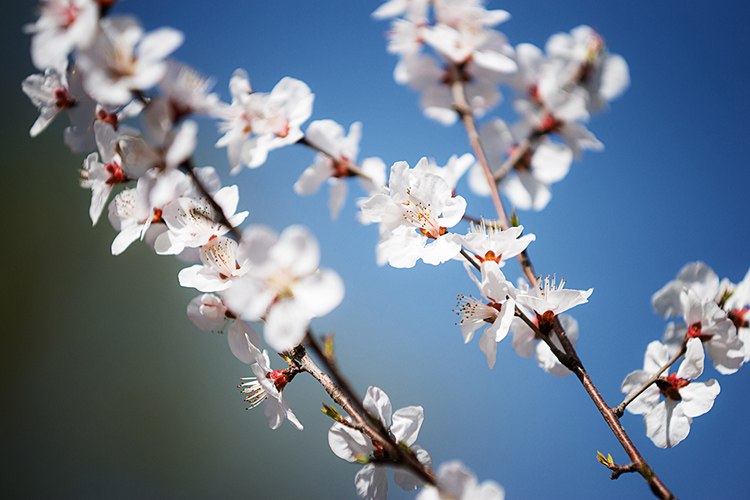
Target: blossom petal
{"x":406,"y":424}
{"x":371,"y":482}
{"x":378,"y":404}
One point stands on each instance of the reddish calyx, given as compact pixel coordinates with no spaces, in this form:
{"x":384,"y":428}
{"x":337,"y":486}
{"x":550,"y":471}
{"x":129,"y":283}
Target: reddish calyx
{"x":283,"y":131}
{"x":64,"y":99}
{"x":463,"y":76}
{"x":738,"y":317}
{"x":670,"y":386}
{"x":157,"y":216}
{"x":433,"y":233}
{"x":524,"y":161}
{"x":550,"y":124}
{"x":694,"y":332}
{"x":116,"y":175}
{"x":279,"y":377}
{"x":546,"y":321}
{"x":340,"y":169}
{"x":490,"y":255}
{"x":110,"y":118}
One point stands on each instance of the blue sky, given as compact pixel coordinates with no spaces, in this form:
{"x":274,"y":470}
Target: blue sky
{"x":110,"y":391}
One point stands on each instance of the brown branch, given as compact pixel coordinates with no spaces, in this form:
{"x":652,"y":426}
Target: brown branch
{"x":223,"y":220}
{"x":461,"y":106}
{"x":402,"y":456}
{"x":570,"y":358}
{"x":335,"y":373}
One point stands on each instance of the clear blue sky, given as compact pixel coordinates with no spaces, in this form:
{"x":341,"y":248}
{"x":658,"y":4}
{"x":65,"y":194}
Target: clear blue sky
{"x":111,"y":392}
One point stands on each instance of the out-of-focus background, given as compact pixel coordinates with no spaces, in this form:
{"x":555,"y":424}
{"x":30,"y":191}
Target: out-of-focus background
{"x":108,"y":391}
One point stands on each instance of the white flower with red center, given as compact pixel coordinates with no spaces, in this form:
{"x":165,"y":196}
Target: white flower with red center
{"x":548,"y":299}
{"x":49,"y":93}
{"x":737,"y":306}
{"x":192,"y":220}
{"x":564,"y":118}
{"x":584,"y":57}
{"x":526,"y":342}
{"x":257,"y":123}
{"x":455,"y":482}
{"x":497,"y":313}
{"x":283,"y":286}
{"x":415,"y":216}
{"x":696,"y":276}
{"x":222,"y":262}
{"x":434,"y":81}
{"x":121,"y":59}
{"x":63,"y":26}
{"x":527,"y":184}
{"x":354,"y":446}
{"x":706,"y":321}
{"x":267,"y":387}
{"x":102,"y":176}
{"x":339,"y":150}
{"x":136,"y":213}
{"x":668,"y":420}
{"x":488,"y":242}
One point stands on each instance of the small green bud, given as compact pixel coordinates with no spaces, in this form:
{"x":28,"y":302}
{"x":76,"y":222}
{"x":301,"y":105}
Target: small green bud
{"x":331,"y":413}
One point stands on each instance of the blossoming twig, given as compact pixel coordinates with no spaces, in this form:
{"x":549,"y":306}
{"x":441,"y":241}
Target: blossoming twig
{"x":402,"y":455}
{"x":570,"y":358}
{"x":235,"y":232}
{"x":620,"y":409}
{"x":347,"y":164}
{"x":463,"y":109}
{"x":333,"y":369}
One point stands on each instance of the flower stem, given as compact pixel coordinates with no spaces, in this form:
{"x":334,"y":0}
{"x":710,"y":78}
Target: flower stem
{"x":629,"y":399}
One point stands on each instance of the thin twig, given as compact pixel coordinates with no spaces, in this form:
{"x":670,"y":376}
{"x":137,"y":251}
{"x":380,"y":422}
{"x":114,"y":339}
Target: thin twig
{"x":402,"y":456}
{"x":620,"y":409}
{"x":570,"y":358}
{"x":223,"y":220}
{"x":335,"y":373}
{"x":350,"y":167}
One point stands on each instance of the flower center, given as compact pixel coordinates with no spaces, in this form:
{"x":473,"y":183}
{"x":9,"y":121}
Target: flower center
{"x":737,"y":316}
{"x":280,"y":283}
{"x":694,"y":332}
{"x":670,"y":386}
{"x":279,"y":377}
{"x":64,"y":99}
{"x":116,"y":175}
{"x":255,"y":392}
{"x":545,"y":322}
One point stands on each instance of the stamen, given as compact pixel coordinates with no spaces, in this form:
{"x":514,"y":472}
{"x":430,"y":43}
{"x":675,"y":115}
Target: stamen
{"x":255,"y":391}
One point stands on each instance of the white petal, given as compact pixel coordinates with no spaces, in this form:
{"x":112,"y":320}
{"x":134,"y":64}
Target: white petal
{"x":319,"y":294}
{"x":406,"y":424}
{"x":348,"y":444}
{"x":371,"y":482}
{"x":698,"y":397}
{"x":238,"y":336}
{"x":406,"y":479}
{"x":378,"y":404}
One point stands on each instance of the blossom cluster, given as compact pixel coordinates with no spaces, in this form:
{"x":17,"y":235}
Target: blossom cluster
{"x":715,"y":319}
{"x":107,"y":73}
{"x":556,"y":90}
